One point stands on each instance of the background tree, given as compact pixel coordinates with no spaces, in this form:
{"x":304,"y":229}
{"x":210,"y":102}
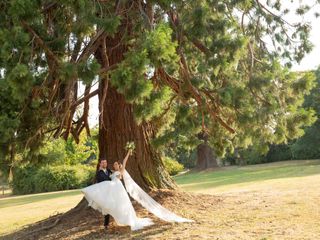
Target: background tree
{"x":307,"y":146}
{"x":206,"y":158}
{"x":198,"y":65}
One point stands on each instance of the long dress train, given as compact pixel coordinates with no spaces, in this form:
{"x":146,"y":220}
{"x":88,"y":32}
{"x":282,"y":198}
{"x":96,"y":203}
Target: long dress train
{"x":110,"y":197}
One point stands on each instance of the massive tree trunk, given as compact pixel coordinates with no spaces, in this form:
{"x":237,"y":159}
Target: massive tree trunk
{"x":145,"y":166}
{"x":117,"y":125}
{"x":205,"y":155}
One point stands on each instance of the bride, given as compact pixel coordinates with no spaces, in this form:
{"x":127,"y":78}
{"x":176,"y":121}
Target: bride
{"x":110,"y":197}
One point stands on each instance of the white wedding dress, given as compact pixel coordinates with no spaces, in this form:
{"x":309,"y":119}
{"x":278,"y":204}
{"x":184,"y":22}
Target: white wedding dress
{"x":110,"y":197}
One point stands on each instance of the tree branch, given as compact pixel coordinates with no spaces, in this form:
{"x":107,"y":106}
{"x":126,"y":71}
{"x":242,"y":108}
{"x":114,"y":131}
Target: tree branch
{"x":40,"y":42}
{"x":261,"y":6}
{"x":81,"y":100}
{"x":92,"y":45}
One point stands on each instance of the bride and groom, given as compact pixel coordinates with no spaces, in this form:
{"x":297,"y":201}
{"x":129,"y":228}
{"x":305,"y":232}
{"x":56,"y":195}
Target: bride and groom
{"x":110,"y":197}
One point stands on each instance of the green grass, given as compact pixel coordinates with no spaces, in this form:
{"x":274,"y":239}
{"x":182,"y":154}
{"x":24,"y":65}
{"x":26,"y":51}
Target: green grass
{"x":201,"y":181}
{"x":32,"y":198}
{"x":17,"y":211}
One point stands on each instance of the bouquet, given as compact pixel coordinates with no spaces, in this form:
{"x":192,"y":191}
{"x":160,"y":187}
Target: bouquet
{"x":130,"y":146}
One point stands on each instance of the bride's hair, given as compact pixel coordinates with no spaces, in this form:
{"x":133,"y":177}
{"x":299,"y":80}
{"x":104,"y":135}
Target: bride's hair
{"x":120,"y":164}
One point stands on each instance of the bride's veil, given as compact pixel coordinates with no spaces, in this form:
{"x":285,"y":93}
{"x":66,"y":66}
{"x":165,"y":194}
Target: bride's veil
{"x":149,"y":203}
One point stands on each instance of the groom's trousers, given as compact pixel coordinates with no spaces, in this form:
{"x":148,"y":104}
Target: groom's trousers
{"x":100,"y":177}
{"x":106,"y":220}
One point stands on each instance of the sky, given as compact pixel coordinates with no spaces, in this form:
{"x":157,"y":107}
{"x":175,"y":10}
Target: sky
{"x":311,"y":61}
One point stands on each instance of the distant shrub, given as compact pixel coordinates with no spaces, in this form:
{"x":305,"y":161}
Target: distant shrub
{"x":307,"y":147}
{"x":51,"y":178}
{"x":172,"y":166}
{"x":56,"y":178}
{"x":187,"y":159}
{"x":23,"y":181}
{"x":279,"y":152}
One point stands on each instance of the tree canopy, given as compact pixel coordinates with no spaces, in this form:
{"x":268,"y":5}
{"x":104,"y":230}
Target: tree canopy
{"x":188,"y":67}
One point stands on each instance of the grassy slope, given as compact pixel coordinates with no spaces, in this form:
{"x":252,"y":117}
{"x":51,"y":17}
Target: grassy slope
{"x":226,"y":179}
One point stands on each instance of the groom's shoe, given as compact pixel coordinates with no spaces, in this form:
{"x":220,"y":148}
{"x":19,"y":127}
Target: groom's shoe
{"x":107,"y":228}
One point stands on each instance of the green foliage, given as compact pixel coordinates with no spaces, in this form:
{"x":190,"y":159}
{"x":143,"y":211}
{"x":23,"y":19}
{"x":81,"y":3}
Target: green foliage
{"x":161,"y":48}
{"x":279,"y":153}
{"x":52,"y":152}
{"x":60,"y":152}
{"x":194,"y":66}
{"x":24,"y":180}
{"x":154,"y":48}
{"x":51,"y":178}
{"x":129,"y":79}
{"x":172,"y":166}
{"x":81,"y":152}
{"x":307,"y":147}
{"x":56,"y":165}
{"x":29,"y":72}
{"x":56,"y":178}
{"x":87,"y":71}
{"x":187,"y":158}
{"x":177,"y":130}
{"x":153,"y":106}
{"x":20,"y":81}
{"x":304,"y":140}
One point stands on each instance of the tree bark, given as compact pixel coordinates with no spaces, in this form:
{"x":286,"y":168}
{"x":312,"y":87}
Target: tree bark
{"x":145,"y":166}
{"x":205,"y":155}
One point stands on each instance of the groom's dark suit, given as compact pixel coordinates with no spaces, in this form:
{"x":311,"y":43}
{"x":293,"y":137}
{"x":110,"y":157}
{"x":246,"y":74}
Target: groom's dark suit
{"x":104,"y":176}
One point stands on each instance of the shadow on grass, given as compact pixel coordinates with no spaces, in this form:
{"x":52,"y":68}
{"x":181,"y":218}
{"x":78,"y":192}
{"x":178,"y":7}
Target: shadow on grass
{"x":145,"y":233}
{"x":205,"y":180}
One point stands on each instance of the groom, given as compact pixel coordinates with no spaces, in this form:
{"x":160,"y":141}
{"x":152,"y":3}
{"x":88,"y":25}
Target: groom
{"x":103,"y":174}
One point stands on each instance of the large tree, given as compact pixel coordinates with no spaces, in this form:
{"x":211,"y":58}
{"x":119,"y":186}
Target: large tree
{"x":166,"y":71}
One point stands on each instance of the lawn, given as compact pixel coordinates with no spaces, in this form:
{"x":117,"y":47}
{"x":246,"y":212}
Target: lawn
{"x":229,"y":178}
{"x":18,"y":211}
{"x":267,"y":201}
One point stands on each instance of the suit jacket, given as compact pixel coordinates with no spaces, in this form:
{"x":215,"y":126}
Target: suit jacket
{"x":103,"y":176}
